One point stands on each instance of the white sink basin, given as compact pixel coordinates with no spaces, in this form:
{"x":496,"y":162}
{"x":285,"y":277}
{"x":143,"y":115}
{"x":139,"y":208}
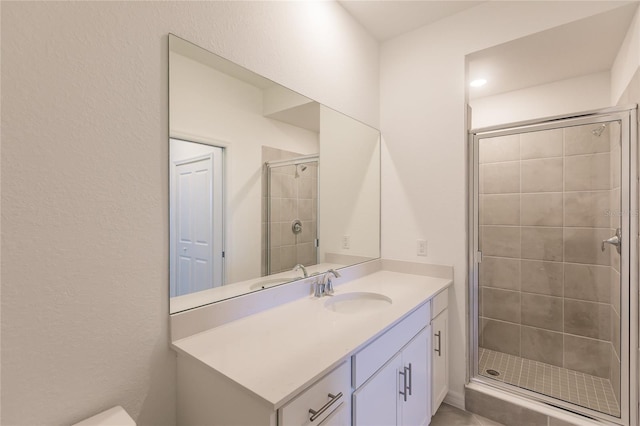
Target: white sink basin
{"x":270,"y":282}
{"x":357,"y":302}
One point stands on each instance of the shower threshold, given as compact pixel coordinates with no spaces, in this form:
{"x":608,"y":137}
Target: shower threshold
{"x":572,"y":386}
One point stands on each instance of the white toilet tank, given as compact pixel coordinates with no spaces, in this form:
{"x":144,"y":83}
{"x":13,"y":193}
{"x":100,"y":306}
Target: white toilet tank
{"x":115,"y":416}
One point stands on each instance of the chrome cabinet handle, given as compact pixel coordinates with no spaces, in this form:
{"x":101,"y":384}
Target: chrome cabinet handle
{"x":315,"y":414}
{"x":403,"y":392}
{"x":616,"y":241}
{"x":407,"y":382}
{"x":439,"y":351}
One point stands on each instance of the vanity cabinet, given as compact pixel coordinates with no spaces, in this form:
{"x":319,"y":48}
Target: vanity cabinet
{"x":398,"y":394}
{"x":392,"y":375}
{"x":398,"y":376}
{"x":439,"y":352}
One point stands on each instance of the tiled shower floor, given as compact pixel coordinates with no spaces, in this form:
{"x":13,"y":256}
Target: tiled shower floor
{"x":568,"y":385}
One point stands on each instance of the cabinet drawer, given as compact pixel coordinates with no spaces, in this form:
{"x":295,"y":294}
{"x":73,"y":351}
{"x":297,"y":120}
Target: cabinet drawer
{"x":377,"y":353}
{"x":317,"y":397}
{"x":440,"y":303}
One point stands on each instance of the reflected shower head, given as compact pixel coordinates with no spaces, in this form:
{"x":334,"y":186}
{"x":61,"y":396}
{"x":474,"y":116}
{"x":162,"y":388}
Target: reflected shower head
{"x":300,"y":167}
{"x":598,"y":131}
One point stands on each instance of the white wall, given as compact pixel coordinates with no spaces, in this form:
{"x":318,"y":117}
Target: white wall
{"x":627,"y":60}
{"x":349,"y":186}
{"x":207,"y":105}
{"x":422,"y":100}
{"x":584,"y":93}
{"x":85,"y":183}
{"x":625,"y":73}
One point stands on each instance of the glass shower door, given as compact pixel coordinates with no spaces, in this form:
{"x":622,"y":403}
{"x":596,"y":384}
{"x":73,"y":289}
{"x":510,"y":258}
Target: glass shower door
{"x":552,"y":222}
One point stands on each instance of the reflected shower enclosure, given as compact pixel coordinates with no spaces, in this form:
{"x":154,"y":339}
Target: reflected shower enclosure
{"x":290,"y":210}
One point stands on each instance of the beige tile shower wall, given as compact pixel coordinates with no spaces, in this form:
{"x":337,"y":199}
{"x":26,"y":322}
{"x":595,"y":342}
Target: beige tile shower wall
{"x":294,"y":195}
{"x":544,"y":283}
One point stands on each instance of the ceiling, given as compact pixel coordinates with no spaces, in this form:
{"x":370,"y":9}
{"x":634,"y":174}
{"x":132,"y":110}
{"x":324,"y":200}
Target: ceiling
{"x":387,"y":19}
{"x":582,"y":47}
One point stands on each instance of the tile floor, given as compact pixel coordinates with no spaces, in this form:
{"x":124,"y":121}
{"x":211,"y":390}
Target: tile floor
{"x":448,"y":415}
{"x":572,"y":386}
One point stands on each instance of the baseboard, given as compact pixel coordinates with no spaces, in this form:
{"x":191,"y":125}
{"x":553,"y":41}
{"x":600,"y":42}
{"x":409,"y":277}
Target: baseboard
{"x":455,"y":399}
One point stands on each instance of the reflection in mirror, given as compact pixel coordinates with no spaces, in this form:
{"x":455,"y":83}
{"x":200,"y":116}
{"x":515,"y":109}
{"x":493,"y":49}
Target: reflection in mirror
{"x":262,"y":180}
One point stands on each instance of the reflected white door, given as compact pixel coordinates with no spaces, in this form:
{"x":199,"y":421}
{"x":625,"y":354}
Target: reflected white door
{"x":198,"y":224}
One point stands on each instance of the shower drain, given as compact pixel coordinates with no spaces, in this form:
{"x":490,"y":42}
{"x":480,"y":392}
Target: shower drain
{"x":493,"y":372}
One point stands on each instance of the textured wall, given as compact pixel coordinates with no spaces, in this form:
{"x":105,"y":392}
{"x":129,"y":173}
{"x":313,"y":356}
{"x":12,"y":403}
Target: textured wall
{"x":625,"y":88}
{"x":85,"y":183}
{"x":626,"y":63}
{"x":422,"y":116}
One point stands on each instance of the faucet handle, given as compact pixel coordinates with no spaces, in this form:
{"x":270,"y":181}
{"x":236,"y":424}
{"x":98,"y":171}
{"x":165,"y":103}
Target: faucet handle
{"x":318,"y":286}
{"x":328,"y":281}
{"x":304,"y":270}
{"x":328,"y":286}
{"x":334,"y":272}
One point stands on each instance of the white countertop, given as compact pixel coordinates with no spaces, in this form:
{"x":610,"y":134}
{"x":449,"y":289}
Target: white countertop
{"x":279,"y":352}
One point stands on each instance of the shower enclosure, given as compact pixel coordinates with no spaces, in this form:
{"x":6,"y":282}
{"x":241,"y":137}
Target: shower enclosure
{"x":552,"y":270}
{"x":291,"y":219}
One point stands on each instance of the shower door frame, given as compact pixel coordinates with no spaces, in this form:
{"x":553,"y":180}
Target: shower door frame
{"x":628,"y":260}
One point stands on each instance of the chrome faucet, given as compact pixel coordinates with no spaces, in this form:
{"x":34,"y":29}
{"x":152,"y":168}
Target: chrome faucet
{"x":318,"y":286}
{"x":323,"y":285}
{"x":301,"y":266}
{"x":328,"y":283}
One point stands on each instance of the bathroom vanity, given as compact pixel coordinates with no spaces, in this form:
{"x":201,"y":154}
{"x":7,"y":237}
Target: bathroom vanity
{"x":374,"y":352}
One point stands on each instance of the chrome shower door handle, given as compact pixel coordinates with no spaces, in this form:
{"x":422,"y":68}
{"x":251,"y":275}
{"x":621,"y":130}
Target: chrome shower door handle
{"x":616,"y":241}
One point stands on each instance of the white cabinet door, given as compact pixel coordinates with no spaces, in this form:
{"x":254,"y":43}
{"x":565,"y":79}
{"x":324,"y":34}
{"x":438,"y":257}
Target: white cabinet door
{"x":399,"y":393}
{"x":439,"y":357}
{"x":415,"y":406}
{"x":375,"y":403}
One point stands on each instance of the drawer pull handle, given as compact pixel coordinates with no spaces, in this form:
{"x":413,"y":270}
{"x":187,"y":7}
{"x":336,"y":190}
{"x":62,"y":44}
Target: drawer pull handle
{"x":439,"y":344}
{"x":403,"y":392}
{"x":410,"y":378}
{"x":315,"y":414}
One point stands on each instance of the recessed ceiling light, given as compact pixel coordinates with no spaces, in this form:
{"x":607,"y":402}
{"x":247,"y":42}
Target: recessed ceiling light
{"x":477,"y":83}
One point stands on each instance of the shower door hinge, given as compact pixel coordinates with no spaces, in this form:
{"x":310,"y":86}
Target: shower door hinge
{"x":478,"y":257}
{"x":223,"y":255}
{"x":316,"y":242}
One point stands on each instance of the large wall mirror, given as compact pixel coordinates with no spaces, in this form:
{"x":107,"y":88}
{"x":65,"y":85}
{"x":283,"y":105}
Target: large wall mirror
{"x":262,"y":180}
